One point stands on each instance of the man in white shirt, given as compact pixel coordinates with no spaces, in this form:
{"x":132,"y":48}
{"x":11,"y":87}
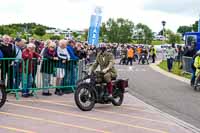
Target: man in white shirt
{"x":170,"y":55}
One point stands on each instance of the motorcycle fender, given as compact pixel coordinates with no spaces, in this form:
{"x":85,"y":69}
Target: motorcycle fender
{"x":91,"y":89}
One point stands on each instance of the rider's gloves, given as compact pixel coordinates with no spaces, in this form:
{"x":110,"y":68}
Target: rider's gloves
{"x":105,"y":70}
{"x":90,"y":72}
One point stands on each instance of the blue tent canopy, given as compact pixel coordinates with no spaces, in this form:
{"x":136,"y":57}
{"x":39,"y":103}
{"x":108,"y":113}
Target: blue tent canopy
{"x":197,"y":35}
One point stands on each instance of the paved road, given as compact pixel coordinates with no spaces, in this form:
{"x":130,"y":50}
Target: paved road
{"x":167,"y":94}
{"x":59,"y":114}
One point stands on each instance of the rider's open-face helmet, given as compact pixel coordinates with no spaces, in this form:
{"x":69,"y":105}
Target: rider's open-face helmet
{"x":103,"y":48}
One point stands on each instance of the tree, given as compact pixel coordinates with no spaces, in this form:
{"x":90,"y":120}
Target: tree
{"x":174,"y":38}
{"x":6,"y":30}
{"x":118,"y":31}
{"x":75,"y":34}
{"x":184,"y":29}
{"x":195,"y":26}
{"x":86,"y":34}
{"x":103,"y":30}
{"x":55,"y":37}
{"x":144,"y":34}
{"x":40,"y":31}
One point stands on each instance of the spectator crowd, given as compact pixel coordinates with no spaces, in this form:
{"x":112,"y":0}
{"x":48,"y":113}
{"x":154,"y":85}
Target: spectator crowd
{"x":22,"y":59}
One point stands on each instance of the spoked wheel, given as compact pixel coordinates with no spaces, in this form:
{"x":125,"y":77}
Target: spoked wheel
{"x":143,"y":62}
{"x":84,"y":97}
{"x":3,"y":96}
{"x":197,"y":85}
{"x":118,"y":97}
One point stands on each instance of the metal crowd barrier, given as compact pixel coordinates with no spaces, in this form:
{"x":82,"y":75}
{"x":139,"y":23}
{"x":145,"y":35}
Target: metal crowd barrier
{"x":82,"y":66}
{"x":187,"y":63}
{"x":33,"y":75}
{"x":117,"y":54}
{"x":92,"y":57}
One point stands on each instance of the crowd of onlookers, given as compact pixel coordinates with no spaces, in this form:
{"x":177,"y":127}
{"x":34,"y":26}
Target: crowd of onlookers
{"x":20,"y":59}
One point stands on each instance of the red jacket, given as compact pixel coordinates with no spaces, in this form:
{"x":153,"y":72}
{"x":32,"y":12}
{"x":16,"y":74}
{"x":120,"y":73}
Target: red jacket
{"x":27,"y":56}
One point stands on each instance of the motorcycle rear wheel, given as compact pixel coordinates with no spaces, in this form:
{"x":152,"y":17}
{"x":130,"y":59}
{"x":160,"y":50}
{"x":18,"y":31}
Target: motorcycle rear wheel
{"x":118,"y":97}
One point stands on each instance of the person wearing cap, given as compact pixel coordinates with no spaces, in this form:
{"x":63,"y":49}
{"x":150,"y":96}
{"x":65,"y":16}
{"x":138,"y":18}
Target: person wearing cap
{"x":106,"y":62}
{"x":48,"y":66}
{"x":19,"y":44}
{"x":28,"y":54}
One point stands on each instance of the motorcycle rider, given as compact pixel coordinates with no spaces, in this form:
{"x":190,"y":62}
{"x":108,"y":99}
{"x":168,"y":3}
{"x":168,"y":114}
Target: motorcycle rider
{"x":123,"y":55}
{"x":106,"y":62}
{"x":145,"y":53}
{"x":192,"y":82}
{"x":197,"y":65}
{"x":130,"y":55}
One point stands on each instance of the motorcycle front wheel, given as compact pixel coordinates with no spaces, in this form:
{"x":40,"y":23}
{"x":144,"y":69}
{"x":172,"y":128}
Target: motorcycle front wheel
{"x":84,"y":97}
{"x":143,"y":62}
{"x":197,"y":85}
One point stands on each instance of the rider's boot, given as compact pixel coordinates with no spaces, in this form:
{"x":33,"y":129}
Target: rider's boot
{"x":110,"y":89}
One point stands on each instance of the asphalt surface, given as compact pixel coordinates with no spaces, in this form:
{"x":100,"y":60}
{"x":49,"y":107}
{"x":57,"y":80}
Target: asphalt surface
{"x":169,"y":95}
{"x":57,"y":114}
{"x":60,"y":114}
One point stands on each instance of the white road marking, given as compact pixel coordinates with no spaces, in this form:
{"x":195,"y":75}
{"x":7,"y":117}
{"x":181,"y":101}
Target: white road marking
{"x":131,"y":69}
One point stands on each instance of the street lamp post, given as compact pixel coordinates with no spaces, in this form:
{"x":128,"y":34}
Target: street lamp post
{"x":199,"y":24}
{"x":69,"y":33}
{"x":141,"y":35}
{"x":163,"y":24}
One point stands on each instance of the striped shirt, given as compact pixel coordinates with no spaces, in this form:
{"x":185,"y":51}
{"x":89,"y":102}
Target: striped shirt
{"x":63,"y":53}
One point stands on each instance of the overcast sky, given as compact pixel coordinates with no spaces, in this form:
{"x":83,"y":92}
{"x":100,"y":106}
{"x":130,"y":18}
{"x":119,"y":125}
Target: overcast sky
{"x":75,"y":14}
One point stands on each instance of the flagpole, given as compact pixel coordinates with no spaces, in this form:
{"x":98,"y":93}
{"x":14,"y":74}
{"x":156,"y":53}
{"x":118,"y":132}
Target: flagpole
{"x":199,"y":24}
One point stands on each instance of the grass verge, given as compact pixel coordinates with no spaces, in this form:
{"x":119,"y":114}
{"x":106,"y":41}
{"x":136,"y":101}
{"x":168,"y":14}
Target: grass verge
{"x":175,"y":69}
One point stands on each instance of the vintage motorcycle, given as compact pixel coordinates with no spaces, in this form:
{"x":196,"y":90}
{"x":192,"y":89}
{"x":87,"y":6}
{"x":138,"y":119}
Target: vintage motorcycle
{"x":89,"y":92}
